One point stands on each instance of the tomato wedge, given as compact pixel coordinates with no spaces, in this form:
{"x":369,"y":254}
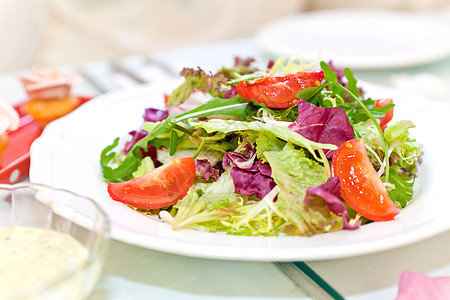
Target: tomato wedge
{"x":389,"y":114}
{"x":361,"y":187}
{"x":278,"y":92}
{"x":160,"y":187}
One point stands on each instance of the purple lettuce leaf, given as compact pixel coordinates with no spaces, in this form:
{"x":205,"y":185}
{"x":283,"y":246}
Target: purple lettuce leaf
{"x":251,"y":183}
{"x":328,"y":125}
{"x":244,"y":161}
{"x":204,"y":169}
{"x":151,"y":150}
{"x":329,"y":192}
{"x":155,"y":115}
{"x":136,"y":136}
{"x":231,"y":93}
{"x":263,"y":168}
{"x":250,"y":175}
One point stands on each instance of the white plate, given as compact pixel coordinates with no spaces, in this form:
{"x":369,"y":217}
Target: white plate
{"x":67,"y":156}
{"x":357,"y":39}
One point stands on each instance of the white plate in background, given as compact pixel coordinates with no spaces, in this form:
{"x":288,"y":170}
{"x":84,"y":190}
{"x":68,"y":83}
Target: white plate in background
{"x":67,"y":156}
{"x":358,"y":39}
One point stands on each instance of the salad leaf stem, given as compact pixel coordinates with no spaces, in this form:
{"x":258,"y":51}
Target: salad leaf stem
{"x":181,"y":128}
{"x":199,"y":149}
{"x":208,"y":112}
{"x":377,"y":126}
{"x":243,"y":78}
{"x":325,"y":162}
{"x":338,"y":89}
{"x":236,"y":107}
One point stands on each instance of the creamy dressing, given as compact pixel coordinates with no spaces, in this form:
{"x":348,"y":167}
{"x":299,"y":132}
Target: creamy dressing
{"x":30,"y":256}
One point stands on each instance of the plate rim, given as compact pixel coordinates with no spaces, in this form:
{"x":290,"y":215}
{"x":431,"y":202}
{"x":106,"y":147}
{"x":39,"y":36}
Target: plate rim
{"x":221,"y":252}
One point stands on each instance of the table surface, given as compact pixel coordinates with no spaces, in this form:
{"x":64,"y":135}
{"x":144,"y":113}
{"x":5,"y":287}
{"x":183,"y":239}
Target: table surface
{"x":132,"y":272}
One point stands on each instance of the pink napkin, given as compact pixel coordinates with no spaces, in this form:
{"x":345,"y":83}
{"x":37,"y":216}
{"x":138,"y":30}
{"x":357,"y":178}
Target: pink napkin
{"x":416,"y":286}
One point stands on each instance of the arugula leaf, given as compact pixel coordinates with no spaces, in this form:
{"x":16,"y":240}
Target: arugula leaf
{"x":158,"y":135}
{"x":312,"y":94}
{"x":403,"y":191}
{"x":166,"y":134}
{"x":175,"y":141}
{"x":338,"y":90}
{"x":122,"y":172}
{"x":352,"y":83}
{"x":332,"y":79}
{"x":328,"y":73}
{"x":234,"y":107}
{"x":358,"y":115}
{"x":380,"y":112}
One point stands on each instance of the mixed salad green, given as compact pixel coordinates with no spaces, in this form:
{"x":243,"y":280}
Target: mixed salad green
{"x":287,"y":149}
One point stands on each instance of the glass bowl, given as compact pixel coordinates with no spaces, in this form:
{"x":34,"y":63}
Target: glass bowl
{"x":42,"y":208}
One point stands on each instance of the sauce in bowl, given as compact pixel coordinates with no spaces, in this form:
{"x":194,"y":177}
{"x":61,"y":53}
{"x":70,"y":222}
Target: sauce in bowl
{"x":32,"y":256}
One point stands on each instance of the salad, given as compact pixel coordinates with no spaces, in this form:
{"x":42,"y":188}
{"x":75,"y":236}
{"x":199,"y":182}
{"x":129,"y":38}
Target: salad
{"x":289,"y":149}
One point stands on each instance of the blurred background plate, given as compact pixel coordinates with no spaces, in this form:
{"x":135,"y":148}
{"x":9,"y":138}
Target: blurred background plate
{"x":358,"y":39}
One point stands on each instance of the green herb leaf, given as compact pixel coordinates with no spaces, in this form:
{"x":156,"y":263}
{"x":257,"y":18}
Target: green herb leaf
{"x":233,"y":107}
{"x":175,"y":141}
{"x":352,"y":83}
{"x":331,"y":77}
{"x":338,"y":90}
{"x":403,"y":191}
{"x":123,"y":171}
{"x":310,"y":94}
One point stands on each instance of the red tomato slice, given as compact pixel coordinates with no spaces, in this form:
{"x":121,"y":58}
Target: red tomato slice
{"x":160,"y":187}
{"x":361,"y":187}
{"x":278,"y":92}
{"x":390,"y":113}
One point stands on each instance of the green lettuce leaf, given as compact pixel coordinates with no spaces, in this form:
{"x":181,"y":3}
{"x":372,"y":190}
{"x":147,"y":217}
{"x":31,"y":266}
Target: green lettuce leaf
{"x":294,"y":173}
{"x":405,"y":150}
{"x":206,"y":209}
{"x":145,"y":167}
{"x":267,"y":141}
{"x":229,"y":126}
